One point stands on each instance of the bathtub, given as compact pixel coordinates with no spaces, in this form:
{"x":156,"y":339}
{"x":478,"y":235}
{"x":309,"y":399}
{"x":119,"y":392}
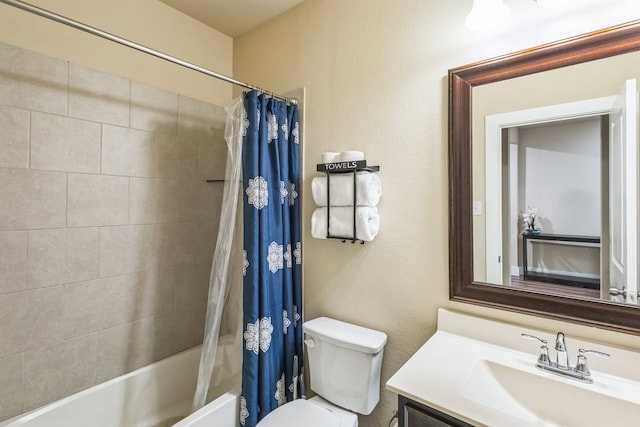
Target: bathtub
{"x":157,"y":395}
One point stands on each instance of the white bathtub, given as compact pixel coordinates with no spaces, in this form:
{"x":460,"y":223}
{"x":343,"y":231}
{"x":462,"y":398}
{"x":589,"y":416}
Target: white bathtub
{"x":147,"y":397}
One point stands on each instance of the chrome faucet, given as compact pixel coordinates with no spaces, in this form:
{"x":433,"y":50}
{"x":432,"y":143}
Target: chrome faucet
{"x":561,"y":366}
{"x":562,"y":360}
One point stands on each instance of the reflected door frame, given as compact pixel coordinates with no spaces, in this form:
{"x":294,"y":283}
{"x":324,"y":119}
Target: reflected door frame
{"x":624,"y":208}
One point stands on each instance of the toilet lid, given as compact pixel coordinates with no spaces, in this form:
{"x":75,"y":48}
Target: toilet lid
{"x":298,"y":413}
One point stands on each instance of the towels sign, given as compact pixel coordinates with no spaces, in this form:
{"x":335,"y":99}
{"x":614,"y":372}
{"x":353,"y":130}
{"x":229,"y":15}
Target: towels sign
{"x":341,"y":166}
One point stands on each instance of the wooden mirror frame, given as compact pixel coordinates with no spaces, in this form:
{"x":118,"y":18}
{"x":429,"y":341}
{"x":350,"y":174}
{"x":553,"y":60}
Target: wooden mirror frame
{"x":587,"y":47}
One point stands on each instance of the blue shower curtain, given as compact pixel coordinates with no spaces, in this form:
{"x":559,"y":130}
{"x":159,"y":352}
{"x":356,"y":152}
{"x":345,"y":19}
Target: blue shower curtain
{"x":272,"y":354}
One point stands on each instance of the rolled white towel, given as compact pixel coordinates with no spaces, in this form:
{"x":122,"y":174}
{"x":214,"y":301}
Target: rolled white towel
{"x":330,"y":157}
{"x":350,"y":156}
{"x":368,"y":186}
{"x":341,"y":223}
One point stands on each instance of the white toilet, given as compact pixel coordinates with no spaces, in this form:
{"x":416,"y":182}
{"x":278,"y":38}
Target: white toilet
{"x":344,"y":364}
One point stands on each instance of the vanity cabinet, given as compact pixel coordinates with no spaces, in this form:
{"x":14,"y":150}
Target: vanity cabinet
{"x":415,"y":414}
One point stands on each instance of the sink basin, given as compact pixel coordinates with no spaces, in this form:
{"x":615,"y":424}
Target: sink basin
{"x":542,"y":399}
{"x":482,"y":372}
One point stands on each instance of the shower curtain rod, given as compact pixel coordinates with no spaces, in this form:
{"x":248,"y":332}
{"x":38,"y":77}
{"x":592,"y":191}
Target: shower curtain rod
{"x":96,"y":32}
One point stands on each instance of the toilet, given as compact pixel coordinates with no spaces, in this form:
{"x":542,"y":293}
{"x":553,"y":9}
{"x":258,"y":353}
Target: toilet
{"x":344,"y":364}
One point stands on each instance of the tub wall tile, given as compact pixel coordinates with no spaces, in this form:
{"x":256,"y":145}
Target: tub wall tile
{"x":150,"y":293}
{"x":153,"y":200}
{"x":199,"y":201}
{"x":14,"y":139}
{"x":153,"y":109}
{"x":32,"y":199}
{"x":126,"y":249}
{"x":30,"y":319}
{"x":173,"y":332}
{"x":33,"y":81}
{"x":177,"y":158}
{"x":62,"y":256}
{"x":94,"y":305}
{"x":95,"y":200}
{"x":10,"y":386}
{"x":107,"y":228}
{"x":98,"y":96}
{"x":64,"y":144}
{"x":199,"y":120}
{"x":13,"y":261}
{"x":192,"y":290}
{"x":59,"y":370}
{"x":136,"y":248}
{"x":174,"y":244}
{"x":212,"y":158}
{"x":127,"y":152}
{"x":192,"y":287}
{"x":207,"y":233}
{"x":124,"y":348}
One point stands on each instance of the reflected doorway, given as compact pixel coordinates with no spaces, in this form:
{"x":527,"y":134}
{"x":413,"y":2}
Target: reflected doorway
{"x":577,"y":164}
{"x":559,"y":170}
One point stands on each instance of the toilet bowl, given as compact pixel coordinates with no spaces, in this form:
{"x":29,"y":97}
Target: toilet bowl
{"x":344,"y":363}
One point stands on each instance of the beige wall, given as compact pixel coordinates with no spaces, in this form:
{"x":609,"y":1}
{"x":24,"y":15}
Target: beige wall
{"x":375,"y":74}
{"x":147,"y":22}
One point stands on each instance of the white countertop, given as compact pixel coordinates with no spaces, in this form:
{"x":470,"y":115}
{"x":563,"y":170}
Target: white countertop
{"x":483,"y":372}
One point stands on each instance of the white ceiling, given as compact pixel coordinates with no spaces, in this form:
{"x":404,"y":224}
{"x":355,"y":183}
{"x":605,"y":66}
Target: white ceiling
{"x":232,"y":17}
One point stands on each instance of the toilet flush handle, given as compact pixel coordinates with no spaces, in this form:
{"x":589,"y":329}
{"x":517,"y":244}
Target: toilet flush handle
{"x":310,"y":342}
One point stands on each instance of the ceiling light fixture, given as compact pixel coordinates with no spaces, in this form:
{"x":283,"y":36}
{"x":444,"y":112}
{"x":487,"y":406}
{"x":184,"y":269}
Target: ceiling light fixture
{"x":486,"y":14}
{"x":547,"y":4}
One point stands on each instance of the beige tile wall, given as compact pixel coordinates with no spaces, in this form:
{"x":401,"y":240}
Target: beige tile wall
{"x":107,"y":226}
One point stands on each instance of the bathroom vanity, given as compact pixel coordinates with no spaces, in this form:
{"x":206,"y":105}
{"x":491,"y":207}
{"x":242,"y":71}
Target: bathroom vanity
{"x":415,"y":414}
{"x":479,"y":372}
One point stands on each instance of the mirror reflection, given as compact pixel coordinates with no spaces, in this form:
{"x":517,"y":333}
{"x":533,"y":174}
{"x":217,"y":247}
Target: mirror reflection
{"x":555,"y":180}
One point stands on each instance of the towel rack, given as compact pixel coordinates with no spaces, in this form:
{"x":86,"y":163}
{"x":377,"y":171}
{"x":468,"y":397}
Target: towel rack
{"x":352,"y":167}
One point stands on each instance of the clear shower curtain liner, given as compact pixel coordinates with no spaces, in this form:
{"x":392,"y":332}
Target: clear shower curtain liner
{"x":227,"y":251}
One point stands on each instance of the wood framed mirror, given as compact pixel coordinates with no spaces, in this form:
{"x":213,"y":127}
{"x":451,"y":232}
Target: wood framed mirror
{"x":539,"y":301}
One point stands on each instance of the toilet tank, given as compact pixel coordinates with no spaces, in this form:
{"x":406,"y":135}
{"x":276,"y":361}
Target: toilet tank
{"x":344,"y":363}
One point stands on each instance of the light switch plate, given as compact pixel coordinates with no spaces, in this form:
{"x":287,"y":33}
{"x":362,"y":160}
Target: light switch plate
{"x":477,"y":207}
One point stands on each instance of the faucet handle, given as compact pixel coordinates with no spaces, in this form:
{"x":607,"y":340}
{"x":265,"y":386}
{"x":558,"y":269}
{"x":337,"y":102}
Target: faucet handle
{"x":560,"y":342}
{"x":581,"y":365}
{"x":543,"y":358}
